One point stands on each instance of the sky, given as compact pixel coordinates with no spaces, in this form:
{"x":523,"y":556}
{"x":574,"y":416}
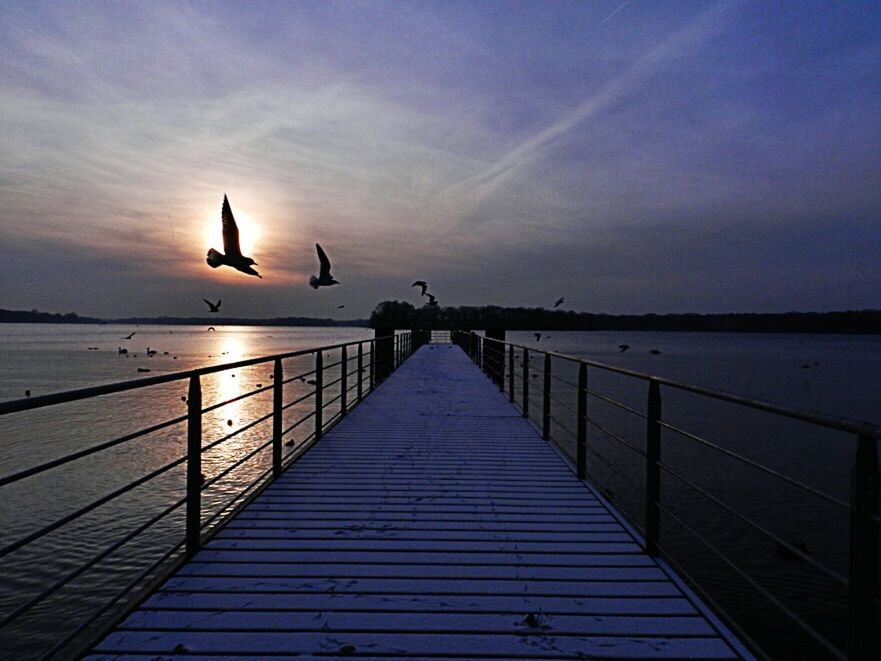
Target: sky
{"x":633,"y":157}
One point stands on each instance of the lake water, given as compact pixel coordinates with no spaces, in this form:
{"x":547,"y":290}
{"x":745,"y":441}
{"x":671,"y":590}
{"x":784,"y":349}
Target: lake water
{"x":839,"y":375}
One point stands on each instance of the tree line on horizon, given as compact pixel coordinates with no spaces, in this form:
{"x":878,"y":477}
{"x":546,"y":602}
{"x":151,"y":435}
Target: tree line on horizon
{"x":403,"y":315}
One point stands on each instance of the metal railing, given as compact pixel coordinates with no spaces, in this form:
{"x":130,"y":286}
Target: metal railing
{"x":498,"y":359}
{"x":351,"y":374}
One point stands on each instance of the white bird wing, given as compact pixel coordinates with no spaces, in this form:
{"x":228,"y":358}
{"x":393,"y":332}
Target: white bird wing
{"x":230,"y":231}
{"x":324,"y":262}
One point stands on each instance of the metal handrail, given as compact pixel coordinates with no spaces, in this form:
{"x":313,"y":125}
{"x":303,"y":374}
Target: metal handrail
{"x":823,"y":420}
{"x":403,"y":347}
{"x":865,"y":517}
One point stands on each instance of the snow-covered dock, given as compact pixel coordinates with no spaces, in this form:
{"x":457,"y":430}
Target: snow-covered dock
{"x":431,"y":522}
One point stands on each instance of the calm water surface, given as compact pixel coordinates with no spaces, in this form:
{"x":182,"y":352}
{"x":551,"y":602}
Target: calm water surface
{"x":840,"y":375}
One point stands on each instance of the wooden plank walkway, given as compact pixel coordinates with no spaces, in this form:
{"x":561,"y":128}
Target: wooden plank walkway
{"x":432,"y":522}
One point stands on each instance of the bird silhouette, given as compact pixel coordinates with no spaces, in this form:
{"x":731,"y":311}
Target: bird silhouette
{"x":340,"y":307}
{"x":215,"y":307}
{"x":128,"y":337}
{"x":432,"y":299}
{"x":232,"y":253}
{"x":211,"y":328}
{"x":422,"y":284}
{"x":537,"y":337}
{"x":559,"y":302}
{"x":623,"y":347}
{"x":324,"y":279}
{"x":654,"y":352}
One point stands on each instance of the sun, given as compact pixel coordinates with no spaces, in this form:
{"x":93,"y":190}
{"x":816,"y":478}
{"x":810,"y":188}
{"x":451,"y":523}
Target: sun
{"x":249,"y":232}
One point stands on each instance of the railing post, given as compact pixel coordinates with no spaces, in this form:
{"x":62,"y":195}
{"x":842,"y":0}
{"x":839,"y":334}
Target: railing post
{"x":194,"y":467}
{"x":510,"y":373}
{"x":277,"y":397}
{"x":581,"y":450}
{"x":525,"y":406}
{"x":652,"y":470}
{"x":371,"y":383}
{"x":319,"y":393}
{"x":863,"y":632}
{"x":546,"y":400}
{"x":360,"y":371}
{"x":344,"y":358}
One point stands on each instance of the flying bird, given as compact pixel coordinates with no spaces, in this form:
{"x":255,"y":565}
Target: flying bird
{"x":422,"y":284}
{"x":559,"y":302}
{"x":211,"y":328}
{"x":215,"y":307}
{"x":623,"y":347}
{"x":537,"y":337}
{"x":233,"y":254}
{"x":432,"y":299}
{"x":324,"y":279}
{"x":340,"y":307}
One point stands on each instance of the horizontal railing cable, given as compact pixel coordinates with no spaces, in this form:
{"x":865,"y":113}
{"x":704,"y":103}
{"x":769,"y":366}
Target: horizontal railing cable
{"x":240,"y":430}
{"x":756,"y":526}
{"x":617,"y":437}
{"x":119,"y":595}
{"x":615,"y":470}
{"x":756,"y":465}
{"x":88,"y":565}
{"x":45,"y":530}
{"x":761,"y":589}
{"x":229,"y":469}
{"x":9,"y":479}
{"x":298,"y":423}
{"x":237,"y":398}
{"x":302,"y":398}
{"x":299,"y":376}
{"x":615,"y":402}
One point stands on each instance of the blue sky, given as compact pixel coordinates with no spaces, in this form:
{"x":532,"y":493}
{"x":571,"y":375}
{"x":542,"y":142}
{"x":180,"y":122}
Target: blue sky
{"x":631,"y":156}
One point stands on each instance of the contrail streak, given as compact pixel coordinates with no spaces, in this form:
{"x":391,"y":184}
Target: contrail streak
{"x":620,"y":7}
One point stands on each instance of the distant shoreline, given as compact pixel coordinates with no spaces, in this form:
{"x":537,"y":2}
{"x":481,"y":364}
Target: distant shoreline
{"x":36,"y":317}
{"x":849,"y":322}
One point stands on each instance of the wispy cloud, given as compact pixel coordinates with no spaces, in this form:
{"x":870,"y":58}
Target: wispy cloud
{"x":467,"y":194}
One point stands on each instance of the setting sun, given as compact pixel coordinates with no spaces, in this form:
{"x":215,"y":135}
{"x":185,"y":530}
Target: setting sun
{"x":249,"y":232}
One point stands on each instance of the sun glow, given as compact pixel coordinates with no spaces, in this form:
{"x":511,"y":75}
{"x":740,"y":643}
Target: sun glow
{"x":249,"y":233}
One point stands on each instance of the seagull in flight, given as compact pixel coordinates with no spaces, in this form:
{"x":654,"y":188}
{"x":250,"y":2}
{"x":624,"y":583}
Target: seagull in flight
{"x":128,"y":337}
{"x":623,"y":347}
{"x":233,"y":254}
{"x":432,"y":299}
{"x":559,"y":302}
{"x":340,"y":307}
{"x":422,"y":284}
{"x":537,"y":337}
{"x":215,"y":307}
{"x":324,"y":279}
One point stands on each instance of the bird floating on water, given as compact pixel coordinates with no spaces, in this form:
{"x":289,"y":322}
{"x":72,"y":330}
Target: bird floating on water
{"x":340,"y":307}
{"x":324,"y":279}
{"x":623,"y":347}
{"x":233,"y":253}
{"x":215,"y":307}
{"x":130,"y":336}
{"x":421,"y":284}
{"x":654,"y":352}
{"x":559,"y":302}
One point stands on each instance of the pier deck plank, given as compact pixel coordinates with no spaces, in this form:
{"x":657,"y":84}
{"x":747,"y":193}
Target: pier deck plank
{"x":431,"y":522}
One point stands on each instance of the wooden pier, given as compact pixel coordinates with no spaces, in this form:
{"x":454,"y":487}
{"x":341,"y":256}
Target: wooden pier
{"x":432,"y":522}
